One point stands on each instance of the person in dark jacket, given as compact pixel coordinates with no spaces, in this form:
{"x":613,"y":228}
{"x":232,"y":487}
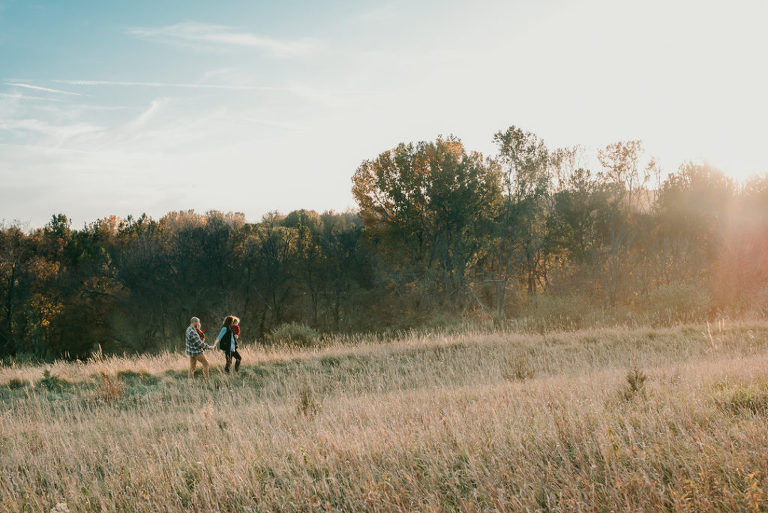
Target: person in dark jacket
{"x":228,"y":343}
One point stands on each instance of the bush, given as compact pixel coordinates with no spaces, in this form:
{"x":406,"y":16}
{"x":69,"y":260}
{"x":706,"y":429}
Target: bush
{"x":678,"y":303}
{"x":294,"y":333}
{"x":307,"y":403}
{"x":53,"y":382}
{"x":111,"y":389}
{"x":518,"y":368}
{"x":545,"y":313}
{"x":446,"y":323}
{"x":130,"y":375}
{"x":16,"y":383}
{"x":744,"y":399}
{"x":635,"y":384}
{"x":21,"y":359}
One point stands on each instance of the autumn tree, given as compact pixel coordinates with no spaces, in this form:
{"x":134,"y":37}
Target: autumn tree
{"x":431,"y":203}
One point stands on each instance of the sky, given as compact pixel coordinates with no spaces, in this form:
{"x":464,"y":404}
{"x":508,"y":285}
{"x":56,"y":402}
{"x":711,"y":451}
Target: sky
{"x":120,"y":108}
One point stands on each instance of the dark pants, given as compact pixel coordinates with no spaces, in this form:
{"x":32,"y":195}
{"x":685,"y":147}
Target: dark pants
{"x":229,"y":355}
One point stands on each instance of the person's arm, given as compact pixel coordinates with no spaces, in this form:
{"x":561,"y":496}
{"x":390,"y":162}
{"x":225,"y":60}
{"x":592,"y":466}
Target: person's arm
{"x":198,"y":342}
{"x":221,"y":334}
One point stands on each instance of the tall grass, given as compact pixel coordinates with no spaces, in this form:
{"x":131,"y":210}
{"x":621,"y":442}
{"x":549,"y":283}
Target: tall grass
{"x":594,"y":420}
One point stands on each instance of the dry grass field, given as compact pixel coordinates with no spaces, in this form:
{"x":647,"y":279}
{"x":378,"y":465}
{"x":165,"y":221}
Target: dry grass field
{"x":619,"y":419}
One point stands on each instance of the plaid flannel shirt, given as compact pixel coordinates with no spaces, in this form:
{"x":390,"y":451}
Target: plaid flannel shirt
{"x":195,"y":345}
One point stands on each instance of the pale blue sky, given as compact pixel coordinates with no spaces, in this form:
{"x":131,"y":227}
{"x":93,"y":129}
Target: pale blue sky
{"x":147,"y":106}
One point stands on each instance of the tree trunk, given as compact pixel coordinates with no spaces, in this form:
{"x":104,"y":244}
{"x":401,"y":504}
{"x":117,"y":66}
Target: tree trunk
{"x":10,"y":342}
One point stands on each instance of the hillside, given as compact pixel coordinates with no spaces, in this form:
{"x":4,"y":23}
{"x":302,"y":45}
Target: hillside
{"x":608,"y":419}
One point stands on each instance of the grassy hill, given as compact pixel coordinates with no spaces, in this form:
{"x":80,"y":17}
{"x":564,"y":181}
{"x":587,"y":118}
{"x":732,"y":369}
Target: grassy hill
{"x":595,"y":420}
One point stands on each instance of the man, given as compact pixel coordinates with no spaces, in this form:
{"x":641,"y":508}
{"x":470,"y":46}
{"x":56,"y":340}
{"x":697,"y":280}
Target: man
{"x":195,"y":348}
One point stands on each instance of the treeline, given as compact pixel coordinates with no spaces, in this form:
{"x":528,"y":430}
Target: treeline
{"x":440,"y":232}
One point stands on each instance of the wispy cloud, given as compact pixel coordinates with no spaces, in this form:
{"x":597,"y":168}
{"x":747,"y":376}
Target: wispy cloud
{"x":39,"y":88}
{"x":222,"y":35}
{"x":147,"y":115}
{"x":270,"y":123}
{"x":312,"y":94}
{"x":18,"y":96}
{"x":59,"y":133}
{"x":378,"y":13}
{"x":190,"y":85}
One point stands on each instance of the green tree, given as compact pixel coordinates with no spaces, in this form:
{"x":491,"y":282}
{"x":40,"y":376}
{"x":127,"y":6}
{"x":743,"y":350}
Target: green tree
{"x":13,"y":255}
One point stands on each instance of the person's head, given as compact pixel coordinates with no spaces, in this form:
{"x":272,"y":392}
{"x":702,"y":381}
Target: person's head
{"x":194,"y":322}
{"x":228,"y":321}
{"x":235,"y":321}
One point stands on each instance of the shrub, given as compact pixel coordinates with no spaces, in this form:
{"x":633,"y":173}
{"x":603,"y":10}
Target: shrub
{"x":518,"y":368}
{"x":749,"y":399}
{"x":678,"y":303}
{"x":294,"y":333}
{"x":545,"y":313}
{"x":307,"y":404}
{"x":16,"y":383}
{"x":635,"y":384}
{"x":450,"y":324}
{"x":140,"y":377}
{"x":21,"y":359}
{"x":111,"y":389}
{"x":52,"y":382}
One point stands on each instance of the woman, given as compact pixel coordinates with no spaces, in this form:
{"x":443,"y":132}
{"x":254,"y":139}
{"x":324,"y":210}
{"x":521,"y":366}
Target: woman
{"x":228,"y":344}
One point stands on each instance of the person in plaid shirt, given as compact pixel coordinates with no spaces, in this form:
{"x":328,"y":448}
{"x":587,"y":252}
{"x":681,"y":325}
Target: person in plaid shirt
{"x":195,"y":348}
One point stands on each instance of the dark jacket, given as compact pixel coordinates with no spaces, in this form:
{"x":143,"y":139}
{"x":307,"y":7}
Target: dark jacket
{"x":225,"y":342}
